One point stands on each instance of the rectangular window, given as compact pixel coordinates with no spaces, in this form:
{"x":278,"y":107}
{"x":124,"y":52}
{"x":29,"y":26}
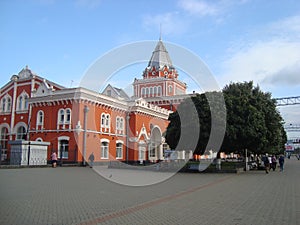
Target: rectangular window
{"x":63,"y":151}
{"x":104,"y":150}
{"x":152,"y":150}
{"x":119,"y":149}
{"x":142,"y":153}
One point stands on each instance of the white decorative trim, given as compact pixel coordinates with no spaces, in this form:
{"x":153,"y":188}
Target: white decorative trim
{"x":63,"y":138}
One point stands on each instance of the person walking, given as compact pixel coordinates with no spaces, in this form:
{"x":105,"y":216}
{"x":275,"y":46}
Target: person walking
{"x":91,"y":159}
{"x":267,"y":163}
{"x":54,"y":159}
{"x":274,"y":162}
{"x":281,"y":162}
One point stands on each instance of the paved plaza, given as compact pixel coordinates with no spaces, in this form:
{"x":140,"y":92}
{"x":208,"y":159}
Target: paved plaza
{"x":79,"y":195}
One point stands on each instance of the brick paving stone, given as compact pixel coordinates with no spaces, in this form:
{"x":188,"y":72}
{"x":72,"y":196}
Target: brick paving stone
{"x":78,"y":195}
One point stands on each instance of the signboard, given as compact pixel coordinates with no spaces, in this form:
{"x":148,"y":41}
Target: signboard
{"x":289,"y":148}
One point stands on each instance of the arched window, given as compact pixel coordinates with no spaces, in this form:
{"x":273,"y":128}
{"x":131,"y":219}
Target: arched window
{"x":147,"y":92}
{"x":40,"y":118}
{"x":21,"y":133}
{"x":4,"y":142}
{"x":61,"y":116}
{"x":155,"y":90}
{"x":107,"y":122}
{"x":68,"y":116}
{"x":3,"y":105}
{"x":119,"y":124}
{"x":143,"y":91}
{"x":8,"y":107}
{"x":25,"y":102}
{"x":170,"y":89}
{"x":159,"y":90}
{"x":102,"y":120}
{"x":151,"y":91}
{"x":22,"y":101}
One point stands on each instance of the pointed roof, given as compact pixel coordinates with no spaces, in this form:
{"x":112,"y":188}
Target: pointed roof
{"x":160,"y":56}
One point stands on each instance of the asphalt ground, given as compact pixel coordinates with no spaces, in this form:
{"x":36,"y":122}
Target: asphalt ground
{"x":79,"y":195}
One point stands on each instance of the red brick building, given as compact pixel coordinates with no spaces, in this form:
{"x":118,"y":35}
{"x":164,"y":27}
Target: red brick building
{"x":78,"y":121}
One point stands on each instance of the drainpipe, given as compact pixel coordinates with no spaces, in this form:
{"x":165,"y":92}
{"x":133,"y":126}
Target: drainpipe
{"x":85,"y":110}
{"x":127,"y":135}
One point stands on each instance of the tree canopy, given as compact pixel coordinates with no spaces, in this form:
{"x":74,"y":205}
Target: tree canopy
{"x":251,"y":122}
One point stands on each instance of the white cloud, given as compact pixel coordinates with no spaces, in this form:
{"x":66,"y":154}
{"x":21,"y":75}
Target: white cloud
{"x":271,"y":57}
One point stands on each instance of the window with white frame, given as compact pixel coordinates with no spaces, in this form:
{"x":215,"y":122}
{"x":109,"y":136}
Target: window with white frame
{"x":64,"y":116}
{"x":21,"y":133}
{"x":119,"y":150}
{"x":119,"y":125}
{"x":3,"y":142}
{"x":104,"y":149}
{"x":68,"y":116}
{"x":105,"y":122}
{"x":63,"y":148}
{"x":40,"y":118}
{"x":22,"y":101}
{"x":143,"y":91}
{"x":6,"y":103}
{"x":61,"y":116}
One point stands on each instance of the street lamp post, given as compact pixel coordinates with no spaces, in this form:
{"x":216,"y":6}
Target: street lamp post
{"x":85,"y":110}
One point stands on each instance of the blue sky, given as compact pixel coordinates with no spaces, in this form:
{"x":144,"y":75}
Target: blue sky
{"x":239,"y":40}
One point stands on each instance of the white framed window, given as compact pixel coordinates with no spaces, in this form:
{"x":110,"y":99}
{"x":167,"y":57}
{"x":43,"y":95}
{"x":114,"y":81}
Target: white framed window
{"x":119,"y":150}
{"x":104,"y":149}
{"x":21,"y":133}
{"x":22,"y":101}
{"x":155,"y":90}
{"x":40,"y":118}
{"x":64,"y":116}
{"x":151,"y":91}
{"x":147,"y":92}
{"x":119,"y":124}
{"x":61,"y":116}
{"x":63,"y":147}
{"x":105,"y":122}
{"x":143,"y":91}
{"x":4,"y":141}
{"x":68,"y":116}
{"x":3,"y":104}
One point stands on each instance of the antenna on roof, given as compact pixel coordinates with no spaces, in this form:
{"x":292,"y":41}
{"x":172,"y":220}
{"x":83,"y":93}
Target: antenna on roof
{"x":160,"y":31}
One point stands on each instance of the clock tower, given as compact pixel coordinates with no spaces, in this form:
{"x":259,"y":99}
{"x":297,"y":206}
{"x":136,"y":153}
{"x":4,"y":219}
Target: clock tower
{"x":160,"y":85}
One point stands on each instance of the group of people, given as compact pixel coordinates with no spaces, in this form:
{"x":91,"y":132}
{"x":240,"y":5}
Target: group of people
{"x":270,"y":162}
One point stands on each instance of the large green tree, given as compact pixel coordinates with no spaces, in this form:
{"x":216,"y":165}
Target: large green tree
{"x":252,"y":121}
{"x":198,"y":124}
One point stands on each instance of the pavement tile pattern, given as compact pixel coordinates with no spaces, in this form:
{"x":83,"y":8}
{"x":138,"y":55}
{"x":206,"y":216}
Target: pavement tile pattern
{"x":78,"y":195}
